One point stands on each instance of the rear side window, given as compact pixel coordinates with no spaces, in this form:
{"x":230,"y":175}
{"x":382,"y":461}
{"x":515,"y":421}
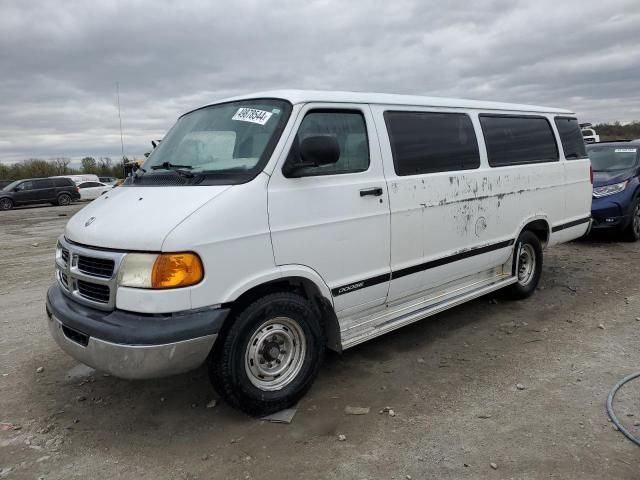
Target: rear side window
{"x":571,"y":138}
{"x":426,"y":142}
{"x":63,"y":182}
{"x":42,"y":184}
{"x":349,"y":129}
{"x":516,"y":140}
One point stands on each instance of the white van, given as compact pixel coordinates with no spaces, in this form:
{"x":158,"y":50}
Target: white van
{"x":266,"y":227}
{"x":80,"y":178}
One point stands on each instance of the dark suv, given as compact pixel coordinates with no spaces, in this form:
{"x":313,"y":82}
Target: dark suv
{"x":58,"y":191}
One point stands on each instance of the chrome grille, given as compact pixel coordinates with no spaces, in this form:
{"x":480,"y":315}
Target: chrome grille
{"x":99,"y":267}
{"x":88,"y":275}
{"x":93,"y":291}
{"x":65,"y":256}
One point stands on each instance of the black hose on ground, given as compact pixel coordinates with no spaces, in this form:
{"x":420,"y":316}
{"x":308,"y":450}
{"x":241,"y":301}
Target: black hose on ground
{"x":611,"y":413}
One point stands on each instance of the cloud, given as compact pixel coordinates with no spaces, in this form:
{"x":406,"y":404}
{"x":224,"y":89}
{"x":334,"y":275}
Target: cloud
{"x":60,"y":60}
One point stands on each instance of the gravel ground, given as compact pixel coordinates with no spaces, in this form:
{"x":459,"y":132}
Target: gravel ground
{"x":451,"y":381}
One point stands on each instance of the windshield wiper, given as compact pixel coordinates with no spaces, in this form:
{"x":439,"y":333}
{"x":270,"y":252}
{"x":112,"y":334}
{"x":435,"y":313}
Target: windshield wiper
{"x":181,"y":169}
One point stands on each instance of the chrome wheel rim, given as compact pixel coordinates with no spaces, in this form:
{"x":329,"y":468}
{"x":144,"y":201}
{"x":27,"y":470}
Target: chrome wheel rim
{"x":5,"y":204}
{"x":526,"y":264}
{"x":275,"y":354}
{"x":64,"y":200}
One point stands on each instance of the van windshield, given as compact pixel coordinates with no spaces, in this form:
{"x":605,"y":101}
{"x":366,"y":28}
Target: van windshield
{"x":611,"y":158}
{"x":234,"y":138}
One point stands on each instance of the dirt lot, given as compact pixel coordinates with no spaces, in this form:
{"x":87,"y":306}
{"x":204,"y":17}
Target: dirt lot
{"x":451,"y":381}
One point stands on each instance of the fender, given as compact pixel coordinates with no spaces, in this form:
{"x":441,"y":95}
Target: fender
{"x":533,"y":218}
{"x":281,"y":271}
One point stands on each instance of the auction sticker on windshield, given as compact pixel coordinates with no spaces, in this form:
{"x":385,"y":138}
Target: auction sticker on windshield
{"x":252,"y":115}
{"x":626,"y":150}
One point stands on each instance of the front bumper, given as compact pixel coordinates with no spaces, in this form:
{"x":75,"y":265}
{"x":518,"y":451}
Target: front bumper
{"x":604,"y":222}
{"x":612,"y":211}
{"x":129,"y":345}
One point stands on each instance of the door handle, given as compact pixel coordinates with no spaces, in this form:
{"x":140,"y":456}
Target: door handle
{"x":375,"y":192}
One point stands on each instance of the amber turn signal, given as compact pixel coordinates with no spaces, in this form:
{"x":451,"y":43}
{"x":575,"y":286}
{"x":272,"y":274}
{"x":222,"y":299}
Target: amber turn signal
{"x":172,"y":270}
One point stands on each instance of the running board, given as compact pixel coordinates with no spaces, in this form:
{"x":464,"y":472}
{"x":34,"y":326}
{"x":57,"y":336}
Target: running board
{"x":424,"y":312}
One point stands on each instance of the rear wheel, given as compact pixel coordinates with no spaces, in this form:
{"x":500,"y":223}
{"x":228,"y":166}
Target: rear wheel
{"x":64,"y":199}
{"x":527,"y":265}
{"x":632,"y":232}
{"x":270,"y":355}
{"x":6,"y":204}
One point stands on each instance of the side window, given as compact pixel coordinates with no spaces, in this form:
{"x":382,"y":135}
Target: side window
{"x":349,"y":129}
{"x":571,"y":138}
{"x":425,"y":142}
{"x":62,"y":182}
{"x":516,"y":140}
{"x":42,"y":184}
{"x":24,"y":186}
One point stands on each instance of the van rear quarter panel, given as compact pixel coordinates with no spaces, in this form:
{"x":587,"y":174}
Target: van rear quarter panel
{"x":578,"y":193}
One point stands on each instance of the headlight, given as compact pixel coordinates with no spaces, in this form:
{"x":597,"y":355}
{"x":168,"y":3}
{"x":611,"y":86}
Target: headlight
{"x":166,"y":270}
{"x":609,"y":189}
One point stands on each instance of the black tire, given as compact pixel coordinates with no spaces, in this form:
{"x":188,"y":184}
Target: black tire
{"x":528,"y":244}
{"x":6,"y":203}
{"x":632,"y":232}
{"x":231,"y":361}
{"x":64,"y":199}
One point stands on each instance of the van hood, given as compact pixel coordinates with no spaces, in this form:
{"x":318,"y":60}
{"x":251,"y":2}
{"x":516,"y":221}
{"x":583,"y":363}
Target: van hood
{"x":609,"y":178}
{"x":137,"y":218}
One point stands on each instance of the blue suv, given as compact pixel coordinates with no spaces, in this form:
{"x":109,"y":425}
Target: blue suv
{"x":616,"y":187}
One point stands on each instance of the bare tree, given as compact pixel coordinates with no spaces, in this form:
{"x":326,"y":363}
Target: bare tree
{"x":61,"y":165}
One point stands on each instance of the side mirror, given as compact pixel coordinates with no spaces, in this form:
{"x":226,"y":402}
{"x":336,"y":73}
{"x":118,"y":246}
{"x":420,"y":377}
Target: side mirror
{"x":313,"y":151}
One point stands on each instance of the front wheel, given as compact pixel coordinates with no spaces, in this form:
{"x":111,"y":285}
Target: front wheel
{"x":6,"y":204}
{"x":527,"y":265}
{"x":269,"y":356}
{"x":632,"y":232}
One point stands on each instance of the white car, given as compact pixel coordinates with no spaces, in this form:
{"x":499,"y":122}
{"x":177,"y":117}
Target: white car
{"x":92,"y":190}
{"x":266,"y":228}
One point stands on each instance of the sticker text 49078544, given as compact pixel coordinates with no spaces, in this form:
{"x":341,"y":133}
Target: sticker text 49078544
{"x":252,"y":115}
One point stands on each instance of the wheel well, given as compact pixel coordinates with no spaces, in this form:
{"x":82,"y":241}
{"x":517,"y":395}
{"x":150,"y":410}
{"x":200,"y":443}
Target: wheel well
{"x":303,"y":287}
{"x":540,"y":228}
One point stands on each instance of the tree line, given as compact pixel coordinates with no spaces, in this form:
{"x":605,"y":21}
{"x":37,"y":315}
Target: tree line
{"x":617,"y":131}
{"x":37,"y":167}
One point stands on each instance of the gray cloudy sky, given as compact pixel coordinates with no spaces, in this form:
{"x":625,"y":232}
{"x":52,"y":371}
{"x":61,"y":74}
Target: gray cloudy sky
{"x":60,"y":60}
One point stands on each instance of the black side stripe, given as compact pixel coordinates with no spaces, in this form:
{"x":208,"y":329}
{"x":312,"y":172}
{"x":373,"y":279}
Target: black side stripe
{"x":580,"y":221}
{"x":360,"y":284}
{"x":451,"y":258}
{"x":418,"y":268}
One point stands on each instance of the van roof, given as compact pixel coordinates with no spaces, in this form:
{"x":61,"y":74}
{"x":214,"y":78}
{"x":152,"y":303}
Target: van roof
{"x":306,"y":96}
